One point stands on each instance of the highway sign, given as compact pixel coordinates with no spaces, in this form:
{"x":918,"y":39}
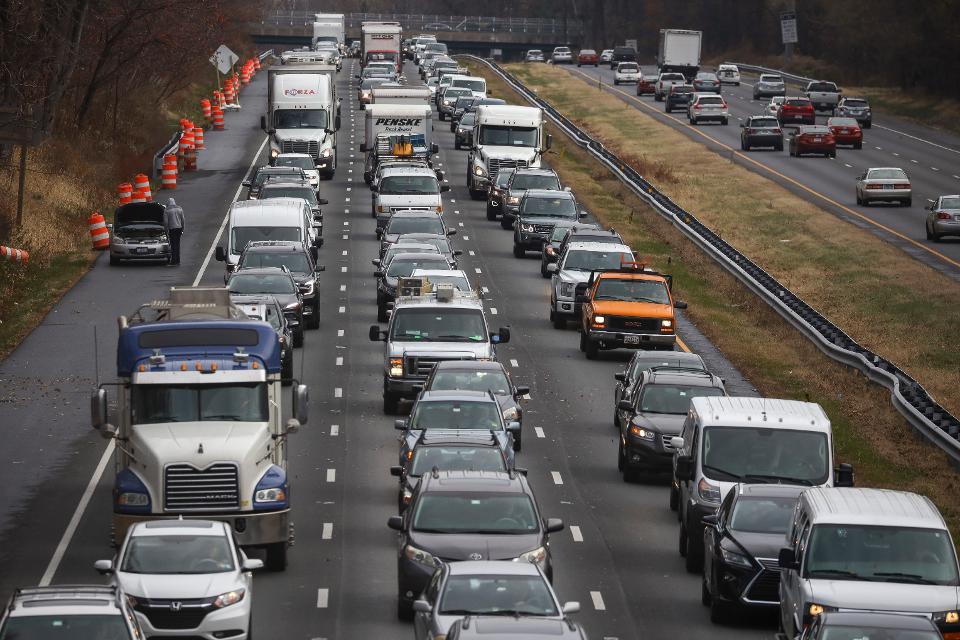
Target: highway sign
{"x":788,"y":27}
{"x":223,"y":58}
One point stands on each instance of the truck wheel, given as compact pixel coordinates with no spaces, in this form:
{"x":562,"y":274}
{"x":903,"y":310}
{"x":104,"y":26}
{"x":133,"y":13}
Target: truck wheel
{"x":682,"y":539}
{"x":519,"y":251}
{"x":674,"y":498}
{"x":456,"y":143}
{"x":491,"y":212}
{"x":286,"y":372}
{"x":506,"y":222}
{"x":314,"y":322}
{"x":694,"y":554}
{"x":592,"y":349}
{"x":382,"y":312}
{"x":276,"y":557}
{"x":404,"y":610}
{"x":719,"y":611}
{"x":559,"y":322}
{"x":298,"y":336}
{"x":391,"y":403}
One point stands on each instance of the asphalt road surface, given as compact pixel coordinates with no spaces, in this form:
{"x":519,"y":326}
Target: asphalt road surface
{"x":617,"y":556}
{"x":931,"y":159}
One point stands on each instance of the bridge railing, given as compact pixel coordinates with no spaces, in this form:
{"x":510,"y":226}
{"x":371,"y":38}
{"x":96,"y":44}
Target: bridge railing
{"x":438,"y":24}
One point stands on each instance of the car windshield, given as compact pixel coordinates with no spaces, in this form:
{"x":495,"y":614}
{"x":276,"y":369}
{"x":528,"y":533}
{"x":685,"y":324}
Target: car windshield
{"x":654,"y":291}
{"x":400,"y":225}
{"x":528,"y":181}
{"x":583,"y":260}
{"x":160,"y":403}
{"x":240,"y":236}
{"x":303,"y":162}
{"x":483,"y":380}
{"x":402,"y":266}
{"x":300,"y":119}
{"x":762,"y":514}
{"x":886,"y":174}
{"x":456,"y":458}
{"x":306,"y":193}
{"x":765,"y":123}
{"x":451,"y":94}
{"x":261,"y":283}
{"x":409,"y":185}
{"x":181,"y":554}
{"x":856,"y":104}
{"x":262,"y":175}
{"x":468,"y":119}
{"x":293,"y":260}
{"x":457,"y":414}
{"x":951,"y":202}
{"x":439,"y":325}
{"x":735,"y":453}
{"x":65,"y":627}
{"x":491,"y":595}
{"x":549,"y":207}
{"x":588,"y":52}
{"x":881,"y":554}
{"x":504,"y":136}
{"x":771,"y":79}
{"x":673,"y":399}
{"x":473,"y":85}
{"x":479,"y":513}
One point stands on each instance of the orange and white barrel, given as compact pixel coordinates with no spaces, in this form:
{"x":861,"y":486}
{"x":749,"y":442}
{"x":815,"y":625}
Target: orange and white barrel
{"x":124,"y":193}
{"x":14,"y":255}
{"x":198,"y":138}
{"x":205,"y":108}
{"x":218,"y":122}
{"x":169,"y":174}
{"x":190,"y":159}
{"x":142,"y":184}
{"x":99,"y":234}
{"x":256,"y":63}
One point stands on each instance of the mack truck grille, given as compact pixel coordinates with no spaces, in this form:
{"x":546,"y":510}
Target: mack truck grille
{"x":175,"y":614}
{"x":421,"y":366}
{"x":311,"y":147}
{"x":633,"y":325}
{"x":496,"y":165}
{"x":187,"y":488}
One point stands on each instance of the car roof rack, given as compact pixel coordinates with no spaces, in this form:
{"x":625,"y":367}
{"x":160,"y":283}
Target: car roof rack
{"x":679,"y":369}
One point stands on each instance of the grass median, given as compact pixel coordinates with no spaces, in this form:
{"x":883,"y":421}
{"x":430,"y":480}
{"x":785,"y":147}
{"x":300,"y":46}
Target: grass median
{"x":881,"y":297}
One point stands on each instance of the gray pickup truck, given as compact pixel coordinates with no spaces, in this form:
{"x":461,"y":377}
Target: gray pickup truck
{"x":824,"y":95}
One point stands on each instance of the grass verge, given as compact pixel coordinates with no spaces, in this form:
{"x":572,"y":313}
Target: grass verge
{"x":868,"y":432}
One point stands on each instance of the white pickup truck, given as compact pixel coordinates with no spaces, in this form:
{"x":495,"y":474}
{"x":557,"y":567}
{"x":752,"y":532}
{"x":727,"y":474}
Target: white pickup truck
{"x":824,"y":95}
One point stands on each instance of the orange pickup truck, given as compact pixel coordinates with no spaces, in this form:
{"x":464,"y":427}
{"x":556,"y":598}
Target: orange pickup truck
{"x":630,"y":308}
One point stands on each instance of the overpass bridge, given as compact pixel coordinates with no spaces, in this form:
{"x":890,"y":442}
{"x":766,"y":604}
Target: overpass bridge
{"x":463,"y":34}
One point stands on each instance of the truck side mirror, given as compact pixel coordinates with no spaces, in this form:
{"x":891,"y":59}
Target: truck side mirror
{"x":684,"y":468}
{"x":301,"y":404}
{"x":396,"y":470}
{"x":843,"y":475}
{"x":363,"y":147}
{"x":263,"y":122}
{"x":501,"y":337}
{"x":400,"y":424}
{"x":434,"y":148}
{"x":103,"y":567}
{"x":520,"y":391}
{"x":625,"y":405}
{"x":552,"y":267}
{"x":679,"y":304}
{"x":549,"y":141}
{"x":375,"y":333}
{"x":98,"y":408}
{"x":620,"y":377}
{"x":395,"y":523}
{"x":553,"y":525}
{"x":322,"y":201}
{"x":444,"y":188}
{"x":221,"y":255}
{"x":787,"y":559}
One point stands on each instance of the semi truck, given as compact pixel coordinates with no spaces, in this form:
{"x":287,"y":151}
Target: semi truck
{"x":402,"y":131}
{"x":504,"y":136}
{"x":679,"y":51}
{"x":198,"y":425}
{"x":329,"y":27}
{"x":303,"y":113}
{"x":381,"y":41}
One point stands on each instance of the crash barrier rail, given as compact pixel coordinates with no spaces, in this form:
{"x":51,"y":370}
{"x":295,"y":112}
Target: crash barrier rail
{"x":922,"y":412}
{"x":437,"y":23}
{"x":170,"y":147}
{"x":266,"y":54}
{"x":786,"y":76}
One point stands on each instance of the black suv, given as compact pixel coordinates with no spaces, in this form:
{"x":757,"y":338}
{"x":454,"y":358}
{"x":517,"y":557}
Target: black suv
{"x":678,"y":97}
{"x":538,"y":212}
{"x":655,"y":414}
{"x":277,"y":282}
{"x":301,"y":263}
{"x":268,"y":172}
{"x":622,"y":54}
{"x":521,"y":181}
{"x":761,"y":131}
{"x":468,"y":515}
{"x":640,"y":361}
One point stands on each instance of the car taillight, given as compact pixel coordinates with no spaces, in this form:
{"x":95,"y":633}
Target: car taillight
{"x":943,"y":215}
{"x":723,"y":105}
{"x":902,"y":186}
{"x":874,"y":186}
{"x":750,"y":131}
{"x":697,"y":107}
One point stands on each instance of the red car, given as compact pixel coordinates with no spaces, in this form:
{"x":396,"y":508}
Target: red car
{"x":797,"y":110}
{"x":846,"y":131}
{"x":813,"y":139}
{"x":587,"y":56}
{"x":646,"y":85}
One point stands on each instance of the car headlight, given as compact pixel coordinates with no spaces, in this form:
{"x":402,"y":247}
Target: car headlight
{"x":274,"y":153}
{"x":513,"y":200}
{"x":536,"y":556}
{"x":271,"y":491}
{"x":946,"y":617}
{"x":229,"y":598}
{"x":382,"y":209}
{"x":293,"y":306}
{"x":306,"y":288}
{"x":163,"y":238}
{"x":420,"y":556}
{"x":735,"y":559}
{"x":644,"y":434}
{"x":446,"y":103}
{"x":511,"y":414}
{"x":566,"y":289}
{"x":814,"y":609}
{"x":708,"y":491}
{"x":478,"y":170}
{"x":326,"y":153}
{"x":117,"y":240}
{"x":396,"y":367}
{"x":599,"y":319}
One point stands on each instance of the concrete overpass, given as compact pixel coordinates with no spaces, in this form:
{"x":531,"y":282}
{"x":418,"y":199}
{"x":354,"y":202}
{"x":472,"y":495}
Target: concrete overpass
{"x":463,"y":34}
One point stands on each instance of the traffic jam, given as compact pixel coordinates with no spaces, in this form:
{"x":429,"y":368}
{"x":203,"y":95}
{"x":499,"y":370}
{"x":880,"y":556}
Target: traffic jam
{"x":211,"y":407}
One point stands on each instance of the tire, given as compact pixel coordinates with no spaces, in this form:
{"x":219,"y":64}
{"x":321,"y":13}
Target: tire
{"x":491,"y":212}
{"x":286,"y":370}
{"x":314,"y":322}
{"x":694,"y":554}
{"x":276,"y":557}
{"x":391,"y":403}
{"x":674,"y":498}
{"x":930,"y":236}
{"x":404,"y":611}
{"x":506,"y":223}
{"x":583,"y":347}
{"x":298,"y":336}
{"x":859,"y":199}
{"x":719,"y":611}
{"x":744,"y":146}
{"x":724,"y":122}
{"x":615,"y":82}
{"x":558,"y":321}
{"x":476,"y":194}
{"x":779,"y":147}
{"x":519,"y":251}
{"x":693,"y":121}
{"x":666,"y":108}
{"x":591,"y":350}
{"x":832,"y":154}
{"x":867,"y":124}
{"x":705,"y":597}
{"x":114,"y":262}
{"x":456,"y":144}
{"x":858,"y":145}
{"x":907,"y":203}
{"x":682,"y":539}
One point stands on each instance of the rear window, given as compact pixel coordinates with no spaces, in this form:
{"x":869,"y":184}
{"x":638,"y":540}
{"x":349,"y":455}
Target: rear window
{"x":797,"y":102}
{"x":628,"y":67}
{"x":764,"y":123}
{"x":770,"y":78}
{"x":678,"y":88}
{"x":816,"y":131}
{"x":886,"y":174}
{"x":588,"y":52}
{"x":624,"y":51}
{"x":856,"y":104}
{"x":673,"y":76}
{"x":822,"y":86}
{"x":842,"y":122}
{"x":710,"y":100}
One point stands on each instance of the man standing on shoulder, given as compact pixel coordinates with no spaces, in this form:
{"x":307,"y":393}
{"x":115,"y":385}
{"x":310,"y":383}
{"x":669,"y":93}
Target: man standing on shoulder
{"x":173,"y":220}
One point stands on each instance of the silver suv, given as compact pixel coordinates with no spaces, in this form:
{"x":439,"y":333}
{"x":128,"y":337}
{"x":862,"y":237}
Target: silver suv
{"x":75,"y":611}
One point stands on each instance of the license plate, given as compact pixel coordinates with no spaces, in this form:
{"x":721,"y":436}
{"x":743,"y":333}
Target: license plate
{"x":957,"y":217}
{"x":818,"y":139}
{"x":631,"y":339}
{"x":140,"y":250}
{"x":888,"y":187}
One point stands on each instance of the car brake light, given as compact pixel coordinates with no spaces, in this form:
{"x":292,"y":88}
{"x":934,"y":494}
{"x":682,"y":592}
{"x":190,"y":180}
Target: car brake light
{"x":902,"y":186}
{"x":943,"y":215}
{"x":723,"y":105}
{"x":874,"y":186}
{"x":697,"y":107}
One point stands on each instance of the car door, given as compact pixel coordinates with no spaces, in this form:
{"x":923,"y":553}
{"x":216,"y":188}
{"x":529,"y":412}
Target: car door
{"x":422,"y":622}
{"x":711,"y":540}
{"x":791,"y":596}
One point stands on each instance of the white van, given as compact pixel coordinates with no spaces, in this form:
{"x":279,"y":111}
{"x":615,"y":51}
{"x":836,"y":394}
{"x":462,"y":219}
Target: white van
{"x":726,"y":440}
{"x":476,"y":85}
{"x":272,"y":219}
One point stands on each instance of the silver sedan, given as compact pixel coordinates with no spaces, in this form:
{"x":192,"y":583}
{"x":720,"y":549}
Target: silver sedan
{"x":944,"y":218}
{"x":889,"y":184}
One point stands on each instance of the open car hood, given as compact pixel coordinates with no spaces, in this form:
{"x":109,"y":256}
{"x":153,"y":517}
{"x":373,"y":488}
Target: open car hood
{"x":139,"y":213}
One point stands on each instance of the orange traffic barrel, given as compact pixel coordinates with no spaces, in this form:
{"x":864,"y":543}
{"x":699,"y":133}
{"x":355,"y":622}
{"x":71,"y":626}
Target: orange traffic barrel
{"x":256,"y":64}
{"x":218,"y":123}
{"x":198,"y":138}
{"x":205,"y":108}
{"x":142,"y":184}
{"x":245,"y":75}
{"x":169,"y":174}
{"x":190,"y":159}
{"x":228,"y":91}
{"x":14,"y":255}
{"x":124,"y":192}
{"x":98,"y":231}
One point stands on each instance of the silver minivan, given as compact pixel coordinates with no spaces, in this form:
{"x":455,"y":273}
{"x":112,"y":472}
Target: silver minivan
{"x":413,"y":188}
{"x":868,"y":551}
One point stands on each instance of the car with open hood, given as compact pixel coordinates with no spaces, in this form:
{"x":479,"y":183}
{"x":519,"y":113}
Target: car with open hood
{"x":139,"y":233}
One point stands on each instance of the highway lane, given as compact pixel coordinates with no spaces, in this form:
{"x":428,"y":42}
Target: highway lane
{"x":620,"y":561}
{"x":931,"y":158}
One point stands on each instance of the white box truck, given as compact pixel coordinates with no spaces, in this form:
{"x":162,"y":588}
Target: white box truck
{"x":333,"y":28}
{"x":385,"y":124}
{"x":381,"y":41}
{"x":504,"y":136}
{"x":303,"y":113}
{"x":415,"y":95}
{"x":679,"y":51}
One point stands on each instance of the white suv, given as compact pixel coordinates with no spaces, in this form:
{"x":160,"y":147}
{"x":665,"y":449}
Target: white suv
{"x":729,"y":74}
{"x":562,"y":55}
{"x":627,"y":73}
{"x":707,"y":106}
{"x":74,"y":611}
{"x":185,"y":577}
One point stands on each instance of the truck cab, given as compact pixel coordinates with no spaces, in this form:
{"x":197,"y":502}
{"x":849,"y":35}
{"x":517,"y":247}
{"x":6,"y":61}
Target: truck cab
{"x":504,"y":136}
{"x":429,"y":323}
{"x":198,"y":424}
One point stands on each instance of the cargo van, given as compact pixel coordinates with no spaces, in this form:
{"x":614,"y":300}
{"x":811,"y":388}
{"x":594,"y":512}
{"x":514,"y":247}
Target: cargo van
{"x":288,"y":219}
{"x":726,"y":440}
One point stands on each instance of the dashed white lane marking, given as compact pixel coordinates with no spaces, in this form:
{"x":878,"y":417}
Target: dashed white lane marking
{"x":477,"y":269}
{"x":323,"y":598}
{"x":460,"y":223}
{"x":451,"y":201}
{"x":484,"y":290}
{"x":346,"y":237}
{"x":914,"y":161}
{"x":514,"y":363}
{"x":327,"y":532}
{"x":556,"y":477}
{"x":349,"y":189}
{"x":346,"y":223}
{"x":879,"y":148}
{"x":343,"y":310}
{"x":349,"y":179}
{"x":334,"y":430}
{"x":456,"y":210}
{"x":598,"y":603}
{"x":493,"y":311}
{"x":896,"y":154}
{"x":525,"y":396}
{"x":346,"y":199}
{"x":338,"y":392}
{"x":331,"y":475}
{"x":934,"y":169}
{"x":343,"y":269}
{"x":539,"y":432}
{"x":470,"y":251}
{"x":343,"y":287}
{"x":848,"y":165}
{"x":575,"y":532}
{"x":344,"y":252}
{"x":466,"y":237}
{"x":340,"y":361}
{"x":346,"y":210}
{"x":339,"y":333}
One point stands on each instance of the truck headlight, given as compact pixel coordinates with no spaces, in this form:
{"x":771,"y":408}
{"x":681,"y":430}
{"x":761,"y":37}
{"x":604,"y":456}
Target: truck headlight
{"x":326,"y":153}
{"x":566,"y":289}
{"x":479,"y":170}
{"x":708,"y":491}
{"x":666,"y":326}
{"x":130,"y":494}
{"x":274,"y":153}
{"x":420,"y":556}
{"x":229,"y":598}
{"x":537,"y":556}
{"x":396,"y":367}
{"x":117,"y":240}
{"x":946,"y":617}
{"x":511,"y":414}
{"x":599,"y":320}
{"x":272,"y":491}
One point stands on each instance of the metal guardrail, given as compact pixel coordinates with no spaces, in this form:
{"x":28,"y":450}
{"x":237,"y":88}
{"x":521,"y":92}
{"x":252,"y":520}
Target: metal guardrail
{"x":786,"y":76}
{"x":263,"y":56}
{"x":922,"y":412}
{"x":170,"y":147}
{"x":437,"y":23}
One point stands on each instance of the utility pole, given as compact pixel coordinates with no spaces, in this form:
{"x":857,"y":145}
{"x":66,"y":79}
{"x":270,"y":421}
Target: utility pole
{"x":788,"y":30}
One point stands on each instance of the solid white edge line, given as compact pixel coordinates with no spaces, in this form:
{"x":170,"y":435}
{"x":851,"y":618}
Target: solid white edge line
{"x":907,"y":135}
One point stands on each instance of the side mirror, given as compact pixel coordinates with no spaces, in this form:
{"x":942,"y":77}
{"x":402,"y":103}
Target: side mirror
{"x":245,"y":183}
{"x":620,"y":377}
{"x":549,"y":141}
{"x":684,"y":468}
{"x":444,"y":188}
{"x":263,"y":122}
{"x":742,"y":125}
{"x":843,"y":475}
{"x":363,"y":147}
{"x":567,"y":189}
{"x":379,"y":233}
{"x":552,"y":267}
{"x":513,"y":427}
{"x":679,"y":304}
{"x":396,"y":471}
{"x":521,"y":390}
{"x":421,"y":606}
{"x":582,"y":215}
{"x":221,"y":255}
{"x":395,"y":523}
{"x":570,"y":607}
{"x":376,"y":262}
{"x":378,"y":273}
{"x":400,"y":424}
{"x":625,"y":405}
{"x":252,"y":564}
{"x":434,"y":148}
{"x":457,"y":252}
{"x":554,"y":525}
{"x":787,"y":559}
{"x":103,"y":567}
{"x":439,"y":174}
{"x":710,"y":520}
{"x":322,"y":201}
{"x":301,"y":403}
{"x":98,"y":408}
{"x":376,"y":335}
{"x":375,"y":188}
{"x":504,"y":335}
{"x":451,"y":232}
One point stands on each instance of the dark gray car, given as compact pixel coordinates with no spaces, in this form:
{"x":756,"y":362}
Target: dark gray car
{"x":521,"y":181}
{"x":401,"y":267}
{"x":298,"y":260}
{"x":406,"y":222}
{"x":539,"y":210}
{"x":640,"y":361}
{"x":278,"y":283}
{"x":269,"y":172}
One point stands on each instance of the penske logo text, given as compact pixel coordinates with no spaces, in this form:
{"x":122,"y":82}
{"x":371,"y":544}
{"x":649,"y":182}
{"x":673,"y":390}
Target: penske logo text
{"x":399,"y":122}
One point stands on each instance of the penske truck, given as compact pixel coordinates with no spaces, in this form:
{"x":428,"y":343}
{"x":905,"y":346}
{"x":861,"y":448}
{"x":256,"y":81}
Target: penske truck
{"x":396,"y":131}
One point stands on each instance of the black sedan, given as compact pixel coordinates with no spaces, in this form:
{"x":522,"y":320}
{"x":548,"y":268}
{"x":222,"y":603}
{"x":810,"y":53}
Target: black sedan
{"x":741,"y":542}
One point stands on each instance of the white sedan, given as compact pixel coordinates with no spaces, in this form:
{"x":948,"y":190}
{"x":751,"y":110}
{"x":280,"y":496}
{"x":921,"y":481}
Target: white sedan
{"x":185,"y":577}
{"x":773,"y":108}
